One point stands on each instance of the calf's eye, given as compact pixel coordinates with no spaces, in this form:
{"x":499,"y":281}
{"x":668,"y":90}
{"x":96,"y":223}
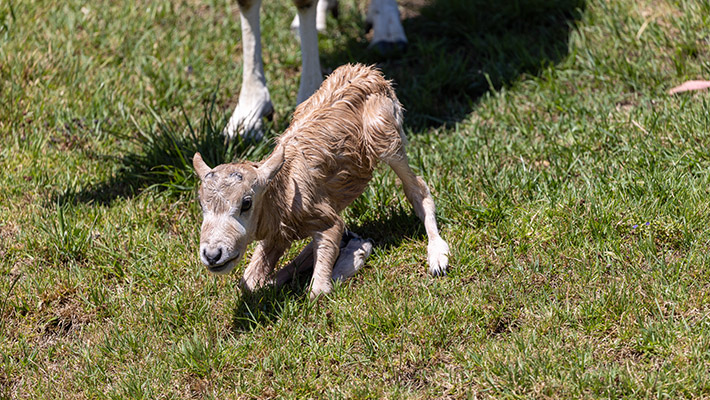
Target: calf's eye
{"x":246,"y":204}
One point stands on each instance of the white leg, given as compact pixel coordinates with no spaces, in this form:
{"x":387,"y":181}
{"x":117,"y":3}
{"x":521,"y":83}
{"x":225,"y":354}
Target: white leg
{"x":387,"y":31}
{"x":311,"y":75}
{"x":322,"y":10}
{"x":418,"y":194}
{"x":254,"y":100}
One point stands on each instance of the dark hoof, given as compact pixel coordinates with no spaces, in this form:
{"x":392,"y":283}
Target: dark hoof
{"x":269,"y":115}
{"x":389,"y":49}
{"x":335,"y":10}
{"x":368,"y":27}
{"x":439,"y":273}
{"x":348,"y":235}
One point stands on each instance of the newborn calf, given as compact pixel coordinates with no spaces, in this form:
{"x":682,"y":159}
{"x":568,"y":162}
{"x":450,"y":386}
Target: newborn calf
{"x":320,"y":165}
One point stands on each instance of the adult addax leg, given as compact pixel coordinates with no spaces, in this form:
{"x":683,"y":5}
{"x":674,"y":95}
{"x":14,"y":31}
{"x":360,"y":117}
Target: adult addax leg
{"x":254,"y":99}
{"x":387,"y":31}
{"x":311,"y":75}
{"x":321,"y":15}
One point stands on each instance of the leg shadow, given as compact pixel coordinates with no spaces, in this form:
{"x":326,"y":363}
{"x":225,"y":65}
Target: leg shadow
{"x":163,"y":158}
{"x":460,"y":49}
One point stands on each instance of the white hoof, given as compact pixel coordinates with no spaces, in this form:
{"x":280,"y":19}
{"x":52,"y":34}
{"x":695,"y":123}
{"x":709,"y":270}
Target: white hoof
{"x":247,"y":119}
{"x":438,"y":256}
{"x":295,"y":24}
{"x":352,"y":258}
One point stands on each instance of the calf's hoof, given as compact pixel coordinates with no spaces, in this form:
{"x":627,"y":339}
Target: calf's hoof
{"x":438,"y":256}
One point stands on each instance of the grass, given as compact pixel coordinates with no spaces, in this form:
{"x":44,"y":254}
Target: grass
{"x":572,"y":189}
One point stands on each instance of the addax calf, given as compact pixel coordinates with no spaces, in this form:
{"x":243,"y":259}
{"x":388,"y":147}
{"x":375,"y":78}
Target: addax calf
{"x":320,"y":165}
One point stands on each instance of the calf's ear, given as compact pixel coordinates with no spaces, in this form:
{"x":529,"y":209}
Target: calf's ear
{"x":200,"y":167}
{"x":271,"y":166}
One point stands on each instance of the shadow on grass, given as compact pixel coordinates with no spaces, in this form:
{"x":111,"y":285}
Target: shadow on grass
{"x":163,"y":159}
{"x":266,"y":306}
{"x":392,"y":230}
{"x":460,"y":49}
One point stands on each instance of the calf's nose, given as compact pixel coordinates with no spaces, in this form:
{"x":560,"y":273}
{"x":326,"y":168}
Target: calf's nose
{"x":213,"y":255}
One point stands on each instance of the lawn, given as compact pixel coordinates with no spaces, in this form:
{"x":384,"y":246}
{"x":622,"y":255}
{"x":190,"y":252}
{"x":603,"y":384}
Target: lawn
{"x":574,"y":192}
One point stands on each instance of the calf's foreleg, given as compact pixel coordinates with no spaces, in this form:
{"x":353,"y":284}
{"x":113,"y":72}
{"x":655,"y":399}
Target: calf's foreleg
{"x":265,"y":257}
{"x":326,"y":247}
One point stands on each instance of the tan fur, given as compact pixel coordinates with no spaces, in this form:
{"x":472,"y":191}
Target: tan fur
{"x":320,"y":165}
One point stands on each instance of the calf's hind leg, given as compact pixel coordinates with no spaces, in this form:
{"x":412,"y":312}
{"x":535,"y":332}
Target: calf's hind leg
{"x":418,"y":194}
{"x":354,"y":251}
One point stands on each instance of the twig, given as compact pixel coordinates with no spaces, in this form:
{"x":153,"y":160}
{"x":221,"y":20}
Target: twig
{"x":7,"y":296}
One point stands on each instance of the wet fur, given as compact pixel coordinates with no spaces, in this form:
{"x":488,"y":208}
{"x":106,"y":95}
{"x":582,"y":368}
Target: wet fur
{"x":334,"y":143}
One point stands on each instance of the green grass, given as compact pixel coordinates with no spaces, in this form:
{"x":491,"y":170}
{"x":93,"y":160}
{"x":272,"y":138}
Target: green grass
{"x":573,"y":190}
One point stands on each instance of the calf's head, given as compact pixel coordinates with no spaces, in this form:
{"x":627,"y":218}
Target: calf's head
{"x":230,"y":196}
